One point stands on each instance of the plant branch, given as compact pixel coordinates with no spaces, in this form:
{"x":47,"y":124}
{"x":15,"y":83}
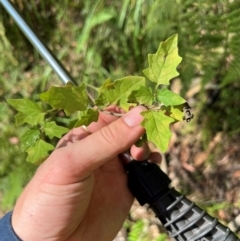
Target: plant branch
{"x":111,"y":113}
{"x":92,"y":87}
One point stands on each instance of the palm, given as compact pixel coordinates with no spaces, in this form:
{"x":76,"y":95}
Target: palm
{"x":83,"y":209}
{"x":110,"y":203}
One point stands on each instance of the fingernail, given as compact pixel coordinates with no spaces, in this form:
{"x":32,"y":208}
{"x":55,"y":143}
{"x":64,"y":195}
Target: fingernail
{"x":133,"y":117}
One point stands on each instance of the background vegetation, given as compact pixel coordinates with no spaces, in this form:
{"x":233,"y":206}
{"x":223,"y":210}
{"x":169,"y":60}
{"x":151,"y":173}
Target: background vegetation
{"x":103,"y":39}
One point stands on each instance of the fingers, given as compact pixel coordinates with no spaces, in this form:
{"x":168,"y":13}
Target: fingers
{"x":155,"y":157}
{"x":75,"y":162}
{"x":77,"y":134}
{"x":145,"y":153}
{"x":140,"y":153}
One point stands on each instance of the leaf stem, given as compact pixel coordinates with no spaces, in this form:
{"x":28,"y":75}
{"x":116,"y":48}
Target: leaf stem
{"x":156,"y":107}
{"x":111,"y":113}
{"x":90,"y":97}
{"x":51,"y":111}
{"x":92,"y":87}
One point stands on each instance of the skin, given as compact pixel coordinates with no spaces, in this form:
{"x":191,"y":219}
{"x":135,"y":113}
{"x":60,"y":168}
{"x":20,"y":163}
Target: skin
{"x":80,"y":192}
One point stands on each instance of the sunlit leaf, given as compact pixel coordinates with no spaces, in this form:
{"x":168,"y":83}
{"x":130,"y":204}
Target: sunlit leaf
{"x":31,"y":118}
{"x":163,"y":64}
{"x":29,"y":111}
{"x":142,"y":96}
{"x":157,"y":128}
{"x":168,"y":97}
{"x":39,"y":152}
{"x":51,"y":129}
{"x":68,"y":98}
{"x":29,"y":138}
{"x":177,"y":113}
{"x":119,"y":91}
{"x":24,"y":105}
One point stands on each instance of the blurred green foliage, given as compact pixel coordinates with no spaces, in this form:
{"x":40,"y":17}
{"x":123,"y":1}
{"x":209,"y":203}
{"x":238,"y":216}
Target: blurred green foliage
{"x":96,"y":40}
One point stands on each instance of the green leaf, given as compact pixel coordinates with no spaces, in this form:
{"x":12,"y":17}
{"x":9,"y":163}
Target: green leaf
{"x":51,"y":129}
{"x":177,"y":113}
{"x":142,"y":96}
{"x":20,"y":118}
{"x":167,"y":97}
{"x":39,"y":152}
{"x":24,"y":105}
{"x":119,"y":90}
{"x":29,"y":111}
{"x":141,"y":141}
{"x":157,"y":128}
{"x":31,"y":118}
{"x":107,"y":84}
{"x":102,"y":101}
{"x":29,"y":138}
{"x":69,"y":98}
{"x":163,"y":64}
{"x":87,"y":117}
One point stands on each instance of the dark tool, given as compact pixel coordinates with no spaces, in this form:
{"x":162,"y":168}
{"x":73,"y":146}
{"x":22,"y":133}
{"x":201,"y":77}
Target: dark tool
{"x":183,"y":220}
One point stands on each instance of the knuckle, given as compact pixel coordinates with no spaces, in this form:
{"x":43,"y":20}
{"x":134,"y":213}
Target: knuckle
{"x":108,"y":135}
{"x":111,"y":137}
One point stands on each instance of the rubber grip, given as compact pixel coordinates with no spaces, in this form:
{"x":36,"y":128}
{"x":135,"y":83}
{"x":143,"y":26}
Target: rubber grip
{"x":183,"y":220}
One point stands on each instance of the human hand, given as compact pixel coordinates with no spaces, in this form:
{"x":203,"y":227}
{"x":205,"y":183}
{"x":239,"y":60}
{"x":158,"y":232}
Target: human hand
{"x":80,"y":192}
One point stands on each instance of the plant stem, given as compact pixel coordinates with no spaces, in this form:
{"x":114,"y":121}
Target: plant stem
{"x":92,"y":87}
{"x":111,"y":113}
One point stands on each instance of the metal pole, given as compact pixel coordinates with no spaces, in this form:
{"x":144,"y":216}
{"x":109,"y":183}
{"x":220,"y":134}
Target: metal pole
{"x":40,"y":47}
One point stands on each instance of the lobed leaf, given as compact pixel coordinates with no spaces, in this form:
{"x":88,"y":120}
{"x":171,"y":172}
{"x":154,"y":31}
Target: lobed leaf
{"x":163,"y":64}
{"x":102,"y":101}
{"x":119,"y":90}
{"x":29,"y":138}
{"x":24,"y":105}
{"x":39,"y":152}
{"x":51,"y":129}
{"x":142,"y":96}
{"x":29,"y":111}
{"x":68,"y":98}
{"x":20,"y":118}
{"x":167,"y":97}
{"x":157,"y":128}
{"x":31,"y":118}
{"x":177,"y":112}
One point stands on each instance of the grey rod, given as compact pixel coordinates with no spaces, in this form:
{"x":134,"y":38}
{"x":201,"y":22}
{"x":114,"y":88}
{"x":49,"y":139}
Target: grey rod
{"x":40,"y":47}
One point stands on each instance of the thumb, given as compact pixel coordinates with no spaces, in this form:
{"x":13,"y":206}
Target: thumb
{"x":76,"y":161}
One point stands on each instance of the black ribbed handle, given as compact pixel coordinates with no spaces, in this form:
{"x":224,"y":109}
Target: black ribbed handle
{"x":183,"y":220}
